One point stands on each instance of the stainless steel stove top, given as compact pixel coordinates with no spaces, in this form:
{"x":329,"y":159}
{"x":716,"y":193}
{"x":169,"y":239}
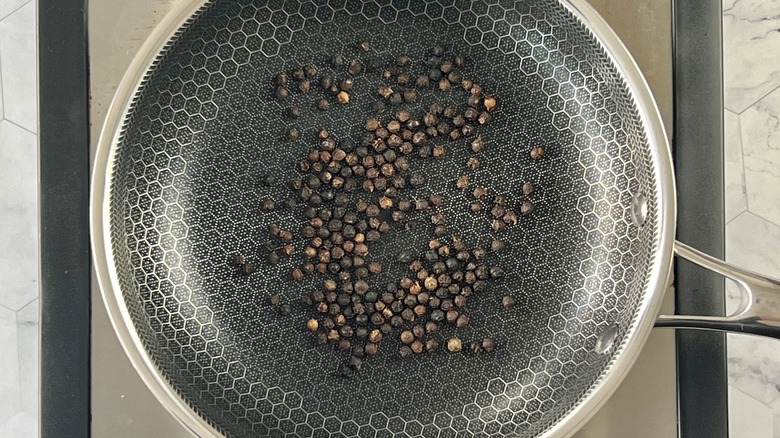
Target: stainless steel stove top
{"x":644,"y":406}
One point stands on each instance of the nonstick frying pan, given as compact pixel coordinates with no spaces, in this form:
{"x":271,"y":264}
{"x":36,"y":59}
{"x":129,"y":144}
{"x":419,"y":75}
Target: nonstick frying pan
{"x":194,"y":127}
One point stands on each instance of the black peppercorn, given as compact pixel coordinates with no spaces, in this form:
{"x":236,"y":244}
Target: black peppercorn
{"x":282,"y":93}
{"x":354,"y":68}
{"x":537,"y":152}
{"x":293,"y":112}
{"x":417,"y":179}
{"x":323,"y":105}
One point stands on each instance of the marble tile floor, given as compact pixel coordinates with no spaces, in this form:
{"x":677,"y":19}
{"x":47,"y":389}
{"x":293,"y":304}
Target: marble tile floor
{"x":751,"y":60}
{"x":18,"y":221}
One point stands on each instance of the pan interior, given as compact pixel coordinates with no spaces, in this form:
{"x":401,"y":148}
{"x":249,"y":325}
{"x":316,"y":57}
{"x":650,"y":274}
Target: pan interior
{"x":203,"y":130}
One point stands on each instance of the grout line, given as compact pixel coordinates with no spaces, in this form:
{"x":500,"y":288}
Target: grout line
{"x":742,"y":157}
{"x":732,"y":219}
{"x":21,"y":127}
{"x":6,"y":307}
{"x":14,"y":11}
{"x":27,"y":304}
{"x":758,"y":100}
{"x":769,"y":221}
{"x":735,"y":217}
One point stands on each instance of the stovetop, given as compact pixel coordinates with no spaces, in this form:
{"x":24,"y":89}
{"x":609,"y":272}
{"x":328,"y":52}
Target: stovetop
{"x":646,"y":404}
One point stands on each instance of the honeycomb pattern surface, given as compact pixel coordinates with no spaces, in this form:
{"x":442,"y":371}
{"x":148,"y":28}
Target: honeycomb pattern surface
{"x":185,"y":196}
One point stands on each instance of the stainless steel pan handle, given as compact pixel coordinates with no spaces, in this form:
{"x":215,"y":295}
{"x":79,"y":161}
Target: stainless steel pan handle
{"x":759,"y":312}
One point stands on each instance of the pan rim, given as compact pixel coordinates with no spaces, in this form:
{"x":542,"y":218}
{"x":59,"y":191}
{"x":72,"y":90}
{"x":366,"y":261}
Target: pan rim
{"x":108,"y":281}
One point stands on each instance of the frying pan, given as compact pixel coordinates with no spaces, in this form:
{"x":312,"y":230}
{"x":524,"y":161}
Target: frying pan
{"x":175,"y":194}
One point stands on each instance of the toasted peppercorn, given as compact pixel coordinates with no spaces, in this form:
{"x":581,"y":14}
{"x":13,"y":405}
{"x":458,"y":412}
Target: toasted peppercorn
{"x":537,"y":152}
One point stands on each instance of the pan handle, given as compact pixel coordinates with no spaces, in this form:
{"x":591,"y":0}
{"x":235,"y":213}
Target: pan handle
{"x":759,"y":313}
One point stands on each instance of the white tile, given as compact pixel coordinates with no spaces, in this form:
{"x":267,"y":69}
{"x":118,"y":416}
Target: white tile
{"x":10,"y":398}
{"x":754,"y":366}
{"x":748,"y":418}
{"x":18,"y":50}
{"x":8,"y":6}
{"x":751,"y":49}
{"x":736,"y":197}
{"x":775,"y":406}
{"x":760,"y":128}
{"x":753,"y":242}
{"x":18,"y":216}
{"x":21,"y":425}
{"x":754,"y":362}
{"x":1,"y":87}
{"x":27,"y":332}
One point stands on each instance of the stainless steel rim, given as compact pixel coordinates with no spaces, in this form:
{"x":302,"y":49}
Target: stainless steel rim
{"x":178,"y":407}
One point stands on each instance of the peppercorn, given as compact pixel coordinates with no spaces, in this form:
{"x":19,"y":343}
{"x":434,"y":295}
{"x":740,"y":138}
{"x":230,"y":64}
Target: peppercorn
{"x":418,"y":331}
{"x":354,"y":68}
{"x":473,"y":163}
{"x":508,"y":301}
{"x":282,"y":93}
{"x":371,"y":348}
{"x":478,"y":144}
{"x":438,"y":151}
{"x":343,"y":97}
{"x":490,"y":103}
{"x":462,"y":182}
{"x":488,"y":344}
{"x":247,"y":269}
{"x":385,"y":91}
{"x":293,"y":134}
{"x":417,"y":179}
{"x":454,"y":344}
{"x":378,"y":107}
{"x":404,"y":351}
{"x":239,"y":260}
{"x":407,"y":337}
{"x":484,"y":118}
{"x":374,"y":335}
{"x":344,"y":344}
{"x":304,"y":86}
{"x":496,"y":272}
{"x":526,"y":208}
{"x":410,"y":95}
{"x":297,"y":274}
{"x":537,"y":152}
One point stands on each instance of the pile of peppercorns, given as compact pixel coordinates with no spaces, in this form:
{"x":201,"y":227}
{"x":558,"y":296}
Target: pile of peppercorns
{"x":354,"y":193}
